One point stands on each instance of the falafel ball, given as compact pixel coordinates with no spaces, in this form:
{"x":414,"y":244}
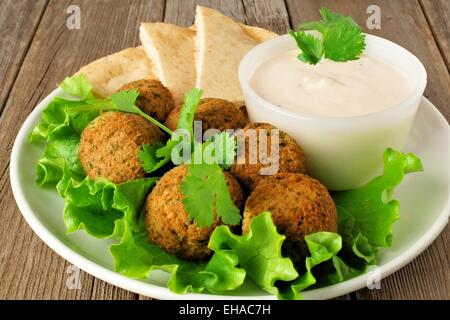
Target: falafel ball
{"x":299,"y":206}
{"x":167,"y":220}
{"x":249,"y":162}
{"x":154,"y":98}
{"x":109,"y":146}
{"x":214,"y":113}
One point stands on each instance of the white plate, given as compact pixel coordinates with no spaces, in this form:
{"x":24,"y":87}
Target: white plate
{"x":424,"y":199}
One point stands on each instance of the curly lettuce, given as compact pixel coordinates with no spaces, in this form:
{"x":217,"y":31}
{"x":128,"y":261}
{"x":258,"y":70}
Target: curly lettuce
{"x":136,"y":257}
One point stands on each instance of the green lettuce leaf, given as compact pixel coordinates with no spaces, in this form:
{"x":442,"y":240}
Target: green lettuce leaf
{"x":77,"y":86}
{"x":323,"y":246}
{"x":370,"y":210}
{"x":258,"y":251}
{"x":61,"y":126}
{"x":96,"y":205}
{"x":136,"y":257}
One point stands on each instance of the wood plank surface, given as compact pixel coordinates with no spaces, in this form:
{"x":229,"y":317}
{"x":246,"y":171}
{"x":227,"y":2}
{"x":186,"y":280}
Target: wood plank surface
{"x":18,"y":22}
{"x":29,"y":269}
{"x":438,"y":17}
{"x":38,"y":54}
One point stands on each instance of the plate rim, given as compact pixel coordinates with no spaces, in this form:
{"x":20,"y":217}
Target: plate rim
{"x":159,"y":292}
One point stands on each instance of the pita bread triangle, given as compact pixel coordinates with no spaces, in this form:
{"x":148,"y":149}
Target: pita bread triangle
{"x":109,"y":73}
{"x":220,"y":45}
{"x":171,"y":48}
{"x":258,"y":34}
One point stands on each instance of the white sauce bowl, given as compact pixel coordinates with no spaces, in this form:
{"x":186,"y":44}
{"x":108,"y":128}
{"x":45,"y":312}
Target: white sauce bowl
{"x":341,"y":152}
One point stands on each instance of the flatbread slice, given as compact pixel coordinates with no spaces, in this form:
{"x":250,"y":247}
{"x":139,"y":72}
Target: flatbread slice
{"x":220,"y":45}
{"x":109,"y":73}
{"x":258,"y":34}
{"x":172,"y":49}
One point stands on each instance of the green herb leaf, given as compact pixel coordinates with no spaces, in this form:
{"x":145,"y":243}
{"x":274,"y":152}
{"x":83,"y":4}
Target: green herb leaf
{"x":149,"y":158}
{"x":187,"y":112}
{"x":343,"y":42}
{"x":342,"y":38}
{"x":125,"y":101}
{"x":311,"y":47}
{"x":205,"y":192}
{"x":219,"y":149}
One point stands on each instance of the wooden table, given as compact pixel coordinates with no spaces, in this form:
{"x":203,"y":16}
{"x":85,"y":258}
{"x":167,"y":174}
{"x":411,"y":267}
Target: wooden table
{"x":37,"y":51}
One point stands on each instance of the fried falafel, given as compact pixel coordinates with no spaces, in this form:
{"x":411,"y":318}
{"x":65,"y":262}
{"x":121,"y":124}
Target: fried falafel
{"x":154,"y":98}
{"x":250,"y":161}
{"x":214,"y":113}
{"x":299,"y":206}
{"x":167,"y":220}
{"x":109,"y":146}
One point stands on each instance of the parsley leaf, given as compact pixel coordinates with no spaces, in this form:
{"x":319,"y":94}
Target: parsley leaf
{"x":157,"y":155}
{"x":219,"y":149}
{"x":312,"y":47}
{"x":123,"y":101}
{"x":344,"y":42}
{"x":342,"y":38}
{"x":191,"y":102}
{"x":205,"y":191}
{"x":149,"y":159}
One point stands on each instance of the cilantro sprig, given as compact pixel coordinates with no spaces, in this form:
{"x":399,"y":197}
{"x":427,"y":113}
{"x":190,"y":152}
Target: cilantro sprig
{"x":205,"y":191}
{"x":155,"y":156}
{"x":342,"y":38}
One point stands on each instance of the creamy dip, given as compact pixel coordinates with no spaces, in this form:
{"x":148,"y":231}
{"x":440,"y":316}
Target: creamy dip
{"x":333,"y":89}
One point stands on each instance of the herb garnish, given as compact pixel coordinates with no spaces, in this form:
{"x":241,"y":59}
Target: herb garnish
{"x":342,"y":38}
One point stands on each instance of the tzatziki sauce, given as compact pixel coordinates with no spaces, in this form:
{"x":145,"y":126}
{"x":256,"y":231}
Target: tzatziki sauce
{"x":330,"y":88}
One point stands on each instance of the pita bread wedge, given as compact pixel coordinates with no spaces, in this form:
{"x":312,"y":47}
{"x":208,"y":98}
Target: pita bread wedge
{"x":258,"y":34}
{"x":220,"y":45}
{"x":109,"y":73}
{"x":172,"y":50}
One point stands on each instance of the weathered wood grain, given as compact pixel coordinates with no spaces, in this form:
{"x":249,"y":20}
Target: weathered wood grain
{"x":438,"y":17}
{"x":18,"y":22}
{"x":403,"y":22}
{"x":267,"y":14}
{"x":183,"y":12}
{"x":29,"y":269}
